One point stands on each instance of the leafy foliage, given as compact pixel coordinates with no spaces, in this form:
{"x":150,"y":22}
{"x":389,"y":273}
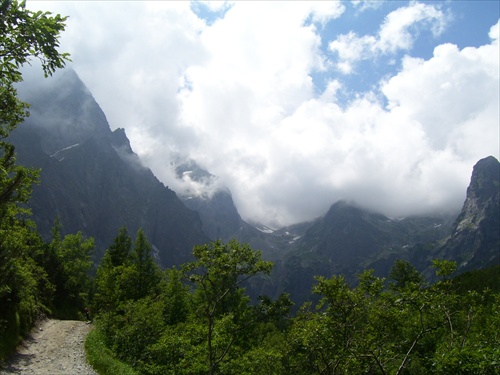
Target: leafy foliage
{"x":405,"y":275}
{"x":26,"y":289}
{"x":218,"y":273}
{"x":69,"y":264}
{"x":413,"y":330}
{"x":23,"y":35}
{"x":101,"y":358}
{"x":205,"y":324}
{"x":126,"y":273}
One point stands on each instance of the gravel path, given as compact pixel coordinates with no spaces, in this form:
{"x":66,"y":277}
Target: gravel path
{"x":54,"y":347}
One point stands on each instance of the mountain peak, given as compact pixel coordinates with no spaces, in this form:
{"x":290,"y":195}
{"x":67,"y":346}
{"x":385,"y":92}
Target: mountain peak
{"x":63,"y":111}
{"x":485,"y":180}
{"x":483,"y":192}
{"x":475,"y":238}
{"x":120,"y":140}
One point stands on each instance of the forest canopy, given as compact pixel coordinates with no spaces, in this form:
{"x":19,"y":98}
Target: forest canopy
{"x":199,"y":320}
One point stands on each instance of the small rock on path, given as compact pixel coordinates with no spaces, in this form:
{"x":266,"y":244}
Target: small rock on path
{"x":54,"y":347}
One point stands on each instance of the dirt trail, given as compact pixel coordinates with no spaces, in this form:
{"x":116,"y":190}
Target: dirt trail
{"x":54,"y":347}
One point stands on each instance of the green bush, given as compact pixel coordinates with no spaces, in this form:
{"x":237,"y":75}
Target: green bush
{"x":101,"y":358}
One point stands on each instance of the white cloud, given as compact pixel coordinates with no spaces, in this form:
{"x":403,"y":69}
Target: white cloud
{"x":254,"y":75}
{"x":415,"y":156}
{"x":449,"y":92}
{"x":237,"y":96}
{"x":362,"y":5}
{"x":217,"y":6}
{"x":324,"y":11}
{"x":350,"y":48}
{"x":494,"y":33}
{"x":396,"y":33}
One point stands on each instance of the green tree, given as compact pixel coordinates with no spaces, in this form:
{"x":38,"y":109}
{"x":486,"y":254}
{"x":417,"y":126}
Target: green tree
{"x":109,"y":291}
{"x":364,"y":329}
{"x":358,"y":330}
{"x":404,"y":275}
{"x":126,"y":273}
{"x":180,"y":350}
{"x":469,"y":341}
{"x":139,"y":327}
{"x":276,"y":313}
{"x":69,"y":264}
{"x":27,"y":34}
{"x":176,"y":297}
{"x":25,"y":289}
{"x":325,"y":342}
{"x":119,"y":250}
{"x":218,"y":274}
{"x":23,"y":35}
{"x":148,"y":273}
{"x":76,"y":258}
{"x":444,"y":268}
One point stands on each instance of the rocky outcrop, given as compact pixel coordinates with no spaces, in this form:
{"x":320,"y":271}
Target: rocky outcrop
{"x":475,"y":237}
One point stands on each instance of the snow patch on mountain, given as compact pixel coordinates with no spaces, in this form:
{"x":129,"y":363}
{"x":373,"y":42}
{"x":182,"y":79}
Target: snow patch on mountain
{"x":57,"y":155}
{"x":264,"y":229}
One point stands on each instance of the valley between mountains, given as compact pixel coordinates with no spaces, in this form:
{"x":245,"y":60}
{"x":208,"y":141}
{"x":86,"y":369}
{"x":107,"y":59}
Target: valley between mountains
{"x":92,"y":181}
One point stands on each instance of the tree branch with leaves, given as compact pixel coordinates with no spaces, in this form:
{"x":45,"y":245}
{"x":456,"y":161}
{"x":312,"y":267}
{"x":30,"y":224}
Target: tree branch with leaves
{"x":218,"y":273}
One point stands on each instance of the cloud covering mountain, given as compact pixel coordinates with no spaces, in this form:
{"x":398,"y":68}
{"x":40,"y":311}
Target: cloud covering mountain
{"x":295,"y":105}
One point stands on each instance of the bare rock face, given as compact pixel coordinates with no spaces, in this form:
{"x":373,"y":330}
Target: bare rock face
{"x":475,"y":238}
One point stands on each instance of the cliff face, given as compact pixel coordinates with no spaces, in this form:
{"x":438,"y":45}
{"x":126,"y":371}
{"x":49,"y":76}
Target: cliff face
{"x":475,"y":237}
{"x":90,"y":177}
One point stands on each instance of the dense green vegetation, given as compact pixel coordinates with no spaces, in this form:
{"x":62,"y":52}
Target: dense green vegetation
{"x":33,"y":274}
{"x":199,"y":320}
{"x":102,"y":359}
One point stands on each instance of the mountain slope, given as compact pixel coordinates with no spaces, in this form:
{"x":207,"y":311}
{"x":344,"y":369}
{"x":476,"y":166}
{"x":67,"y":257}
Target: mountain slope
{"x":91,"y":179}
{"x":475,"y":237}
{"x":348,"y":240}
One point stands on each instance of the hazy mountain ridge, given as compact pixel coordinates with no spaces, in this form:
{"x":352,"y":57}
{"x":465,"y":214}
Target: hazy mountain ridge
{"x":221,"y":219}
{"x":348,"y":240}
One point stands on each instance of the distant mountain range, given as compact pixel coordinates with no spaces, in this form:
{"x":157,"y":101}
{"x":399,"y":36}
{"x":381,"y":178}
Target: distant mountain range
{"x":348,"y":239}
{"x":93,"y":181}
